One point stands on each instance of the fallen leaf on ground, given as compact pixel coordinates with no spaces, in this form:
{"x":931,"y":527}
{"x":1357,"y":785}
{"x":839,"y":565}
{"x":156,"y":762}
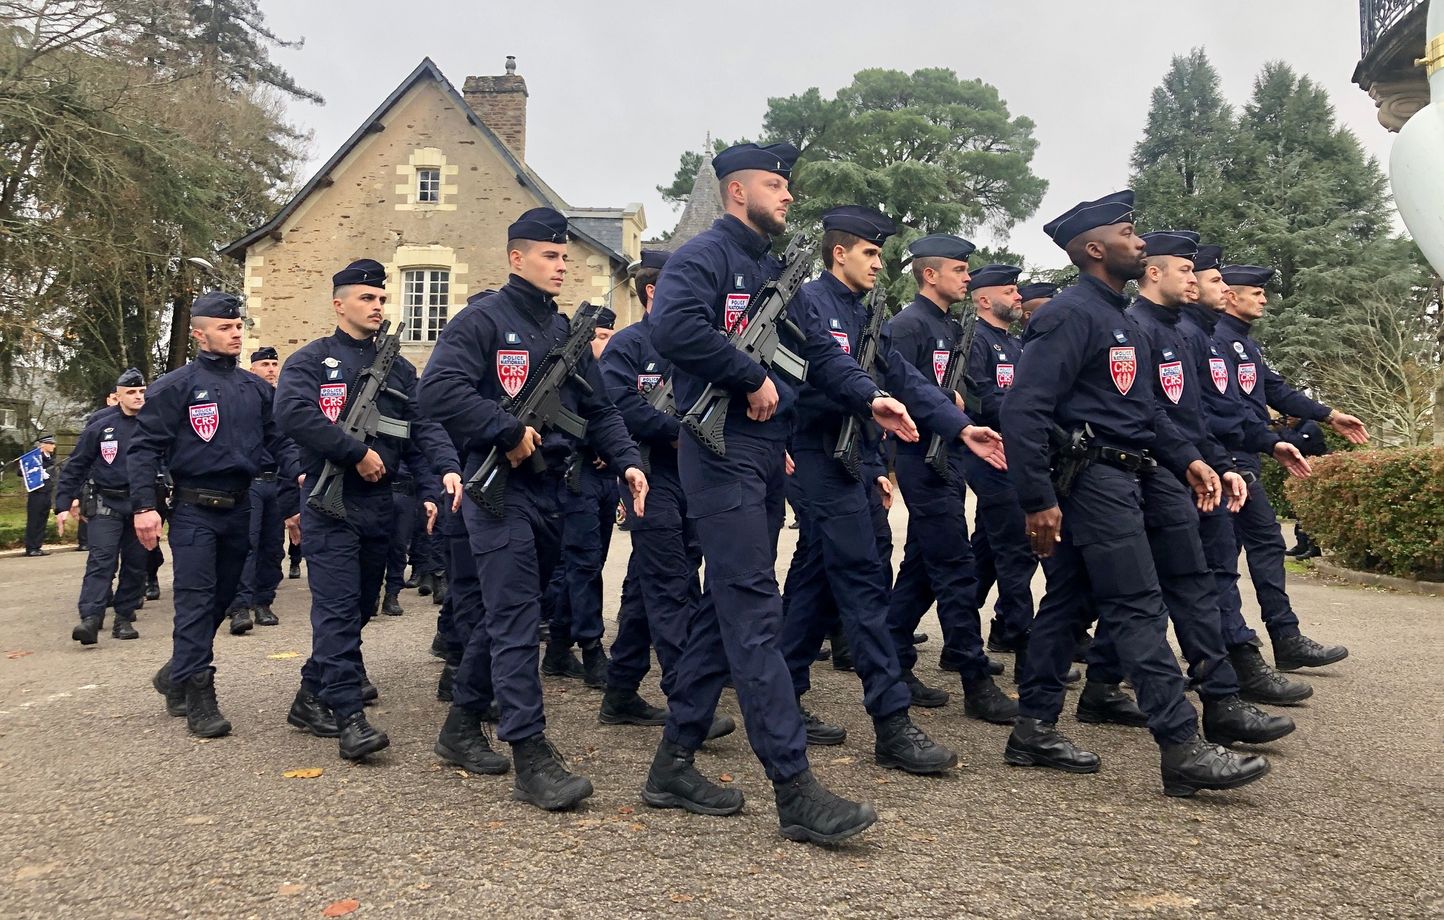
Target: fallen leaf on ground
{"x":18,"y":653}
{"x":681,"y":898}
{"x":626,"y":810}
{"x":341,"y":908}
{"x":726,"y":777}
{"x":842,"y":761}
{"x":305,"y":773}
{"x":290,"y":888}
{"x":198,"y":819}
{"x":282,"y":656}
{"x":639,"y":826}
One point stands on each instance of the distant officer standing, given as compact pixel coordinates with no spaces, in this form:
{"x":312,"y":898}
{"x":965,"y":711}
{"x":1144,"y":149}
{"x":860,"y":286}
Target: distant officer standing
{"x":262,"y":573}
{"x":210,"y":424}
{"x":37,"y":503}
{"x":1035,"y":294}
{"x":99,"y":458}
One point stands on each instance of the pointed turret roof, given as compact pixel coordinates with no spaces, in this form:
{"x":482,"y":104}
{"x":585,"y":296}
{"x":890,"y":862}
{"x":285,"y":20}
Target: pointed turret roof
{"x":704,"y":205}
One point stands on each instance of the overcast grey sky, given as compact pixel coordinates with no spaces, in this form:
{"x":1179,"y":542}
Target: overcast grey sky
{"x":659,"y":76}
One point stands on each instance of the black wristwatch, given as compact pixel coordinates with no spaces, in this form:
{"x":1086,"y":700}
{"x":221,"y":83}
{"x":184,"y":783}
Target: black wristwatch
{"x":876,"y":395}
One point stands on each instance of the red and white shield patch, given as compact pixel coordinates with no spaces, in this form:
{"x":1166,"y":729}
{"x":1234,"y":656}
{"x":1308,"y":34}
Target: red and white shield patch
{"x":512,"y":368}
{"x":108,"y":450}
{"x":1171,"y":376}
{"x":842,"y":341}
{"x":205,"y":420}
{"x":940,"y":364}
{"x":1004,"y":376}
{"x":332,"y":400}
{"x":735,"y":314}
{"x":1218,"y":370}
{"x":646,"y":383}
{"x":1247,"y":376}
{"x":1123,"y":366}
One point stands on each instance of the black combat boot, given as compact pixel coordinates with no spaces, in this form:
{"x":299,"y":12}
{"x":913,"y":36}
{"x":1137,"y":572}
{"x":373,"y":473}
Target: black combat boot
{"x":626,"y":707}
{"x":673,"y":782}
{"x":295,"y":571}
{"x":425,"y":584}
{"x":1000,"y":643}
{"x":438,"y":589}
{"x":919,"y":638}
{"x":390,"y":605}
{"x":923,"y":695}
{"x":359,"y":739}
{"x":594,"y":665}
{"x":463,"y":742}
{"x":721,"y":727}
{"x":819,"y":732}
{"x":1231,"y":721}
{"x":203,"y":713}
{"x":984,"y":701}
{"x":1260,"y":683}
{"x":1197,"y":764}
{"x":901,"y":745}
{"x":310,"y":713}
{"x":123,"y":629}
{"x":560,"y":661}
{"x":1035,"y":743}
{"x":412,"y":580}
{"x":1299,"y":651}
{"x":265,"y":616}
{"x":492,"y":713}
{"x":87,"y":632}
{"x":369,"y":693}
{"x":152,"y":589}
{"x":1102,"y":703}
{"x":807,"y":812}
{"x":947,"y":662}
{"x":241,"y":622}
{"x":175,"y":697}
{"x":841,"y":651}
{"x":440,"y":648}
{"x":446,"y":682}
{"x":542,"y":778}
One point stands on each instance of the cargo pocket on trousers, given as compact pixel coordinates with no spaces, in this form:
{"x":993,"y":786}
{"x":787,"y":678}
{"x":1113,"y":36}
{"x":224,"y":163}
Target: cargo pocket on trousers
{"x":714,"y":500}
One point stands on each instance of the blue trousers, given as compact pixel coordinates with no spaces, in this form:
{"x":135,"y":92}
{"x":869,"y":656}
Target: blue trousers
{"x":1256,"y":529}
{"x":407,"y":510}
{"x":208,"y":547}
{"x":464,"y":627}
{"x":587,"y":524}
{"x":1001,"y":550}
{"x":262,"y":573}
{"x":112,"y":542}
{"x":1220,"y":549}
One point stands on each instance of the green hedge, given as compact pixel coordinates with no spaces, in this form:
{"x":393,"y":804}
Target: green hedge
{"x":1377,"y":511}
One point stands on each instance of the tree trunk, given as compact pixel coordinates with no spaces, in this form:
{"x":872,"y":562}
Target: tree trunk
{"x":180,"y":333}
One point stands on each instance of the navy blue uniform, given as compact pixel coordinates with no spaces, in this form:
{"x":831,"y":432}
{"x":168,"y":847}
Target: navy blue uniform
{"x":1000,"y":540}
{"x":938,"y":560}
{"x":99,"y":458}
{"x":839,"y":539}
{"x":209,"y":423}
{"x":1082,"y":365}
{"x":346,"y":560}
{"x":484,"y":355}
{"x":262,"y":574}
{"x":736,"y":500}
{"x":589,"y":515}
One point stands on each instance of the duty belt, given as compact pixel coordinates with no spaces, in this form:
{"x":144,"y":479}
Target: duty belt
{"x":1249,"y":476}
{"x":209,"y":498}
{"x":117,"y":494}
{"x":1130,"y":460}
{"x":266,"y":476}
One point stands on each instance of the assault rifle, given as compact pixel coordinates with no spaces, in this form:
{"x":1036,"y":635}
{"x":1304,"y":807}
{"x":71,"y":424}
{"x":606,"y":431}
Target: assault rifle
{"x":758,"y":335}
{"x":955,"y":379}
{"x":363,"y":421}
{"x":848,"y":451}
{"x":539,"y":406}
{"x":664,"y":401}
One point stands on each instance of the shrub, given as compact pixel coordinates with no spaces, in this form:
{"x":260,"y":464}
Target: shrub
{"x":1378,"y":511}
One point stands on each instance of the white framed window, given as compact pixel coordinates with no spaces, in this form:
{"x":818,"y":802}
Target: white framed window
{"x":428,"y":186}
{"x":7,"y":418}
{"x":426,"y":300}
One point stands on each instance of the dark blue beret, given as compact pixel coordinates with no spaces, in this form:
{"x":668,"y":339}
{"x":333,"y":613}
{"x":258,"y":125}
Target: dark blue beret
{"x":655,"y":258}
{"x":941,"y":246}
{"x":1037,"y":290}
{"x":545,"y":225}
{"x":1307,"y":436}
{"x":1087,"y":215}
{"x":1246,"y":275}
{"x":130,"y":377}
{"x":1209,"y":257}
{"x":869,"y":224}
{"x":775,"y":158}
{"x":266,"y":353}
{"x":994,"y":276}
{"x":218,"y":304}
{"x":1180,"y":243}
{"x":368,"y":272}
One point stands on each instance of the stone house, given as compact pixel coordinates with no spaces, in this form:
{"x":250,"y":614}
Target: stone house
{"x":427,"y":185}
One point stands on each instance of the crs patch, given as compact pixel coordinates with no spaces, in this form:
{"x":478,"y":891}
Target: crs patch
{"x":1003,"y":376}
{"x":842,"y":341}
{"x":940,"y":363}
{"x":1170,"y":375}
{"x":735,"y":312}
{"x":205,"y":420}
{"x":646,"y":383}
{"x":512,"y":368}
{"x":332,"y":400}
{"x":108,"y":451}
{"x":1218,"y":370}
{"x":1247,"y":376}
{"x":1123,"y":367}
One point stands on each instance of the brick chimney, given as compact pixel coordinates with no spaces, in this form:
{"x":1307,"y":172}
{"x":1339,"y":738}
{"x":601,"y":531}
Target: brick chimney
{"x":501,"y":104}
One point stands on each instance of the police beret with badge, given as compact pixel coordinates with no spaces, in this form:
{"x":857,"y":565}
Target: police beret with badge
{"x":130,"y":377}
{"x":654,"y":258}
{"x":1246,"y":275}
{"x":1209,"y":257}
{"x":1116,"y":208}
{"x":264,"y":353}
{"x":941,"y":246}
{"x":868,"y":224}
{"x":1037,"y":290}
{"x":994,"y":276}
{"x":773,"y":158}
{"x":366,"y":272}
{"x":542,"y":225}
{"x":218,"y":305}
{"x":1180,"y":243}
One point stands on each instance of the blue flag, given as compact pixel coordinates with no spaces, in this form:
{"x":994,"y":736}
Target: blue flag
{"x":32,"y":469}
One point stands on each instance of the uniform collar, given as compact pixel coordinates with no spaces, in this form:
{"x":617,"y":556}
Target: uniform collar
{"x":1161,"y":313}
{"x":1109,"y":295}
{"x":1234,"y":324}
{"x":755,"y":244}
{"x":928,"y":306}
{"x":1203,"y":316}
{"x":537,"y":303}
{"x":216,"y":362}
{"x":344,"y":338}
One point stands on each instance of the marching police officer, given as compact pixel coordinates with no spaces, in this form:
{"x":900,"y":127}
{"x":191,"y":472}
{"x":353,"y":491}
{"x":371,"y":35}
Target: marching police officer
{"x":1081,"y":371}
{"x":736,"y":501}
{"x":346,"y":558}
{"x":37,"y":503}
{"x":99,"y":461}
{"x":486,"y":354}
{"x":262,"y":573}
{"x":210,"y":424}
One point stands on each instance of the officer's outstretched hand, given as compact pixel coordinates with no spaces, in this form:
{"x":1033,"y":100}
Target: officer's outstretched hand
{"x":1235,"y":491}
{"x":530,"y":440}
{"x":762,"y":402}
{"x":1349,"y":426}
{"x":1045,"y":529}
{"x":370,"y":467}
{"x":430,"y":515}
{"x":1204,"y":482}
{"x":451,"y":482}
{"x":986,"y":443}
{"x":637,"y":482}
{"x":893,"y":416}
{"x":1293,"y":461}
{"x":147,"y":528}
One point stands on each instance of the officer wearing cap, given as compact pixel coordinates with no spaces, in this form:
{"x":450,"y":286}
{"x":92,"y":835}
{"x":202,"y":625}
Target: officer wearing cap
{"x":37,"y":503}
{"x":1084,"y":369}
{"x":1035,"y":294}
{"x":1256,"y":526}
{"x":937,"y":557}
{"x":484,"y":356}
{"x":736,"y":501}
{"x":209,"y":423}
{"x":269,"y":507}
{"x":346,"y":559}
{"x":837,"y":530}
{"x":99,"y":458}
